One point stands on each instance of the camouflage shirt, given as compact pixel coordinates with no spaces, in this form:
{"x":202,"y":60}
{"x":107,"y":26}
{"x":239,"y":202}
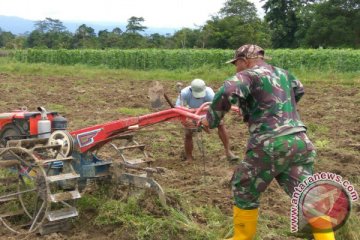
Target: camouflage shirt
{"x":267,"y":97}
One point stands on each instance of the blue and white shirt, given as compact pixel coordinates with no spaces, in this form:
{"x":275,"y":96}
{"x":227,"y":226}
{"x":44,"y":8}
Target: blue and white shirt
{"x":186,"y":98}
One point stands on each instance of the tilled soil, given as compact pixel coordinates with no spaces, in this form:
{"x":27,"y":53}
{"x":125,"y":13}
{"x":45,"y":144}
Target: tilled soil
{"x":331,"y":112}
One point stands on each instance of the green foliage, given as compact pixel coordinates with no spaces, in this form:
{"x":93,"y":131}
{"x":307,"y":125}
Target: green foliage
{"x":187,"y":38}
{"x":244,"y":9}
{"x":236,"y":24}
{"x":215,"y":76}
{"x":333,"y":23}
{"x":135,"y":25}
{"x":173,"y":223}
{"x":233,"y":31}
{"x":283,"y":22}
{"x":141,"y":216}
{"x":85,"y":37}
{"x":113,"y":211}
{"x":310,"y":23}
{"x":6,"y":38}
{"x":88,"y":202}
{"x":49,"y":25}
{"x":49,"y":33}
{"x":345,"y":60}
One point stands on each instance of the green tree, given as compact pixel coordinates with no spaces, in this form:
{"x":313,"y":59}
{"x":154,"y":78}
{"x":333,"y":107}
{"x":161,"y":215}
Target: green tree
{"x":287,"y":20}
{"x":111,"y":39}
{"x":132,"y":37}
{"x":133,"y":40}
{"x":242,"y":8}
{"x":19,"y":42}
{"x":85,"y":37}
{"x":36,"y":39}
{"x":333,"y":23}
{"x":104,"y":39}
{"x":157,"y":40}
{"x":237,"y":23}
{"x":135,"y":25}
{"x":50,"y":25}
{"x":49,"y":33}
{"x":117,"y":31}
{"x":186,"y":38}
{"x":6,"y":39}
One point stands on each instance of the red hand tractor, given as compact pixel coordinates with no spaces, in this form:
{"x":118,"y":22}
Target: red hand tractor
{"x":43,"y":166}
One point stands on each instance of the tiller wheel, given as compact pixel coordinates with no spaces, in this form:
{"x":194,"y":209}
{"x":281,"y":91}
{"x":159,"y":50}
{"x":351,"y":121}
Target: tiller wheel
{"x":24,"y":201}
{"x":40,"y":186}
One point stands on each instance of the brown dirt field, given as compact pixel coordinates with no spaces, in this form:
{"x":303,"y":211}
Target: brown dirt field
{"x":331,"y":111}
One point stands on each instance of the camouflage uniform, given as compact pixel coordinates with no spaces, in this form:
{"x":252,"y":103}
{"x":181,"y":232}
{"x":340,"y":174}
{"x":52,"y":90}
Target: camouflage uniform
{"x":278,"y":146}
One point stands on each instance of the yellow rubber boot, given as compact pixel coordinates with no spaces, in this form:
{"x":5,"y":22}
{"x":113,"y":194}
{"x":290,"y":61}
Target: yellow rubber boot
{"x":322,"y":228}
{"x":245,"y":222}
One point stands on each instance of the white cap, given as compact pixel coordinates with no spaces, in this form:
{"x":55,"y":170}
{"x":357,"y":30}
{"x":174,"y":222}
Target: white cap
{"x":198,"y":88}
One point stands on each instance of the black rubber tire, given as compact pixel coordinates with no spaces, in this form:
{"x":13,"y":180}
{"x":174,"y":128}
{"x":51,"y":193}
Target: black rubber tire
{"x":9,"y":130}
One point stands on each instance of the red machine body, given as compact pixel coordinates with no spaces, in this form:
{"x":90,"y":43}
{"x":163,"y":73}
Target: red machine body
{"x":90,"y":137}
{"x":23,"y":121}
{"x":25,"y":124}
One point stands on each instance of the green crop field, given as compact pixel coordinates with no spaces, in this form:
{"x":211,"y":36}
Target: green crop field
{"x":345,"y":60}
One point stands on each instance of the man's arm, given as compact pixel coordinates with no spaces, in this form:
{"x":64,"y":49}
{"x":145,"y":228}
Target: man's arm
{"x":182,"y":98}
{"x":219,"y":106}
{"x":178,"y":101}
{"x":297,"y":87}
{"x":234,"y":92}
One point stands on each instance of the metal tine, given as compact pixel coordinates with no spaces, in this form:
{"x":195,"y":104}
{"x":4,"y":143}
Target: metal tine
{"x":62,"y":214}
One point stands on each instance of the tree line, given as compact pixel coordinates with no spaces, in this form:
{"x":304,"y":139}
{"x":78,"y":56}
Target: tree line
{"x":286,"y":24}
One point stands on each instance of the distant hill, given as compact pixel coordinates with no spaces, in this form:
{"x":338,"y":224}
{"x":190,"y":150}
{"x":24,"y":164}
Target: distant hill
{"x":17,"y":25}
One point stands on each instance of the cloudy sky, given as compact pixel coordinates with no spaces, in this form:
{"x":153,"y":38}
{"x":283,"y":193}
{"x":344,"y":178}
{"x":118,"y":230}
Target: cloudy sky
{"x":157,"y":13}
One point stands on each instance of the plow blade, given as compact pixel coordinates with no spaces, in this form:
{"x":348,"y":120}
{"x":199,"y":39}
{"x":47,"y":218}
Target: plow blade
{"x":143,"y":182}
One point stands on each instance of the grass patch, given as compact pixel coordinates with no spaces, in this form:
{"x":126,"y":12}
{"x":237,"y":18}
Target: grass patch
{"x":317,"y":128}
{"x":351,"y":229}
{"x":322,"y":143}
{"x":318,"y":131}
{"x":208,"y":73}
{"x":133,"y":111}
{"x":57,"y":108}
{"x":331,"y":76}
{"x":141,"y":216}
{"x":88,"y":202}
{"x":175,"y":225}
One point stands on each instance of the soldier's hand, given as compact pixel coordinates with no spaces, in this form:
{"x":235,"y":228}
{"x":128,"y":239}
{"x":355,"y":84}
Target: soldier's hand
{"x":189,"y":123}
{"x":204,"y":124}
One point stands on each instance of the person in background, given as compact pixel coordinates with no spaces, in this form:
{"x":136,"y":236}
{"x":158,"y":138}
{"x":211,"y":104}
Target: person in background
{"x":194,"y":96}
{"x":278,"y":146}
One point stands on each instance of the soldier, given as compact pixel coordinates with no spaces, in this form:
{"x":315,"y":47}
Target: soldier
{"x":194,"y":96}
{"x":278,"y":146}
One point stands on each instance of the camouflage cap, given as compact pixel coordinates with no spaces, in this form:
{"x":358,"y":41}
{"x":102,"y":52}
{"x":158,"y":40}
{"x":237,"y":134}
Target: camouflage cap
{"x":248,"y":51}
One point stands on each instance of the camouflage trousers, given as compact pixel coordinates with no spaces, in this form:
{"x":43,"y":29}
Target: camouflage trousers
{"x":289,"y":159}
